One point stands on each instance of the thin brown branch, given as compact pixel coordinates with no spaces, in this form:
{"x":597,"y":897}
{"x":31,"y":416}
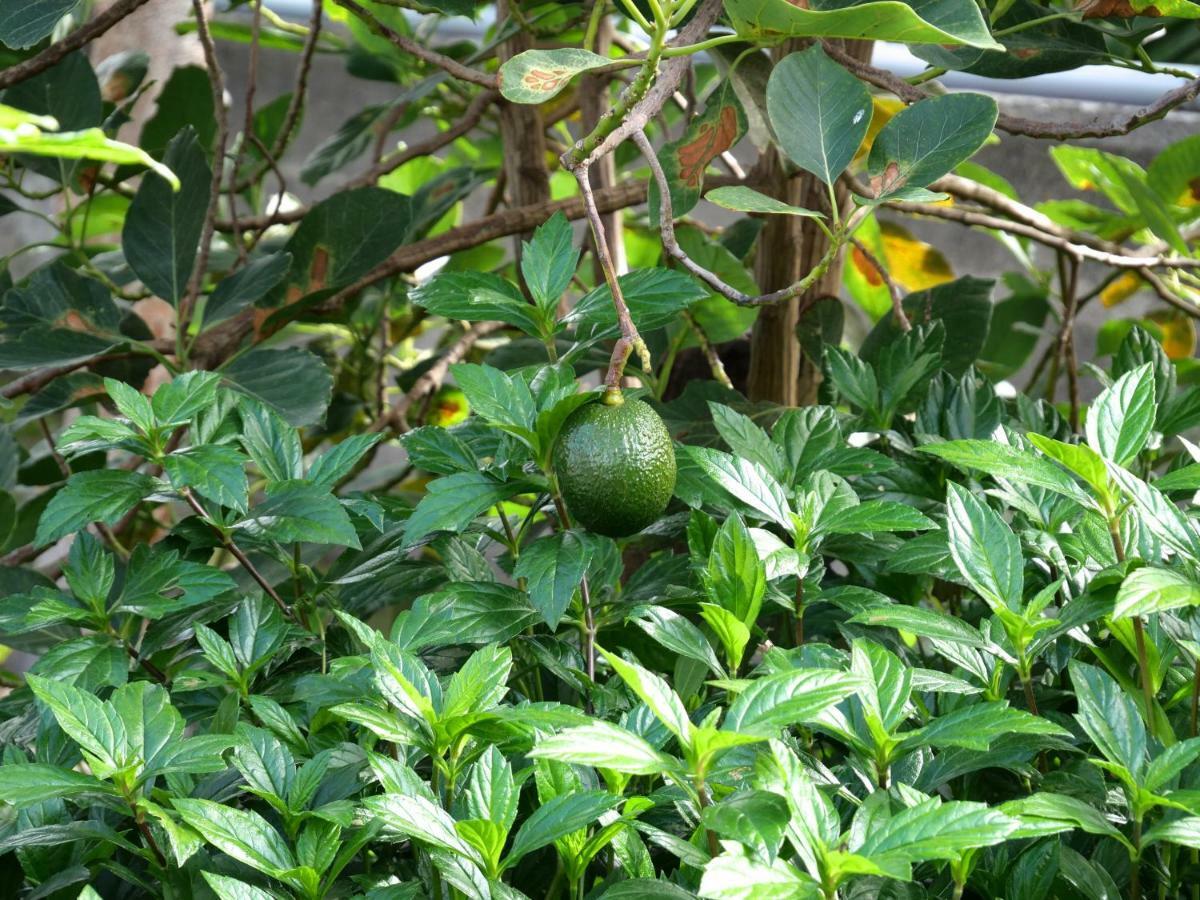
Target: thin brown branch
{"x":470,"y":117}
{"x":670,"y":76}
{"x":35,"y":381}
{"x":1098,"y":127}
{"x":396,"y":418}
{"x":296,"y":105}
{"x":629,"y":340}
{"x":216,"y":80}
{"x":59,"y":50}
{"x":1070,"y":245}
{"x":217,"y":343}
{"x":709,"y":351}
{"x":408,"y":45}
{"x":894,"y":290}
{"x":666,"y":225}
{"x":237,"y":553}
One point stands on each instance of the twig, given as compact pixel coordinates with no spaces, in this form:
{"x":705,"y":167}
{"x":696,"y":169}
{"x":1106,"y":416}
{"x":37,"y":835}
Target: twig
{"x":709,"y":351}
{"x":1113,"y":258}
{"x":629,"y":340}
{"x":35,"y":381}
{"x":670,"y":75}
{"x":59,"y":50}
{"x":216,"y":80}
{"x":408,"y":45}
{"x":1098,"y":127}
{"x":396,"y":418}
{"x":217,"y":343}
{"x":471,"y":117}
{"x":894,"y":289}
{"x":237,"y":553}
{"x":1068,"y":279}
{"x":299,"y":93}
{"x":671,"y":245}
{"x":247,"y":123}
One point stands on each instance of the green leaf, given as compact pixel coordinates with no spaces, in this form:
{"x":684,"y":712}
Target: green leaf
{"x":418,"y":818}
{"x":341,"y":239}
{"x":163,"y":226}
{"x":25,"y":22}
{"x":654,"y":297}
{"x":227,"y":888}
{"x":480,"y":684}
{"x":984,"y":549}
{"x":923,"y":623}
{"x":656,"y":694}
{"x":270,"y":442}
{"x":300,"y":511}
{"x":677,"y":634}
{"x":103,"y":495}
{"x":452,"y":503}
{"x":923,"y":142}
{"x":293,"y":382}
{"x":875,"y":515}
{"x":246,"y":286}
{"x":1150,"y":590}
{"x":730,"y":630}
{"x":976,"y":727}
{"x":537,"y":75}
{"x":557,"y":818}
{"x":88,"y":662}
{"x":90,"y":570}
{"x":339,"y":461}
{"x":604,"y":745}
{"x":734,"y":877}
{"x":184,"y":397}
{"x":477,"y":297}
{"x":242,"y":834}
{"x":747,"y":440}
{"x":1120,"y":419}
{"x":757,"y":819}
{"x":500,"y":398}
{"x":548,"y":261}
{"x":552,"y":568}
{"x":1109,"y":717}
{"x":736,"y":578}
{"x":740,"y":198}
{"x":93,"y":725}
{"x":1065,"y":811}
{"x":215,"y":471}
{"x":22,"y":784}
{"x":774,"y":702}
{"x":819,"y":112}
{"x":1002,"y":461}
{"x":745,"y":481}
{"x":1185,"y":832}
{"x":925,"y":22}
{"x":936,"y":830}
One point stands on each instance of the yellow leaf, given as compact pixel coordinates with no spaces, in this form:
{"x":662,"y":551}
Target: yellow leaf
{"x":1121,"y":289}
{"x":885,"y":108}
{"x":913,"y":264}
{"x":1179,"y":332}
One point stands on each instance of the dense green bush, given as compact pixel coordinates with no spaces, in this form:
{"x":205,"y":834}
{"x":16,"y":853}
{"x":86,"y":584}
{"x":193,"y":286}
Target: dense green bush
{"x":300,"y":609}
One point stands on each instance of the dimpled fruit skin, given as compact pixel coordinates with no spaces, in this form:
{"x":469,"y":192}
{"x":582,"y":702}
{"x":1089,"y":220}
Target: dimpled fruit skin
{"x":615,"y":467}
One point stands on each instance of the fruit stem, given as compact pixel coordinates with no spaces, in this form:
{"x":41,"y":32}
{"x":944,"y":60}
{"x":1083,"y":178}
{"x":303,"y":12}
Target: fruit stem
{"x":613,"y":397}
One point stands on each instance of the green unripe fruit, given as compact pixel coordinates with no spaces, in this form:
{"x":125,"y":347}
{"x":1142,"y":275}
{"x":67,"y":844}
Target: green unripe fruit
{"x":615,"y":466}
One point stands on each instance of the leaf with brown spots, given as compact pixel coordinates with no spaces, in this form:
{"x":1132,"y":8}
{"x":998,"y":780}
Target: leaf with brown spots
{"x":708,"y":135}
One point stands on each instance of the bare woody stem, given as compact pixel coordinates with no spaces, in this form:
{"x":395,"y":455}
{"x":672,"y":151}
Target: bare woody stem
{"x":216,"y":80}
{"x":629,"y":340}
{"x":238,"y":554}
{"x":58,"y":51}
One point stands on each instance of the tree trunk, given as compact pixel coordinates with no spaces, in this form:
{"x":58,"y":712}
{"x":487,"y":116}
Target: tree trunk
{"x":523,"y":134}
{"x":788,"y":248}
